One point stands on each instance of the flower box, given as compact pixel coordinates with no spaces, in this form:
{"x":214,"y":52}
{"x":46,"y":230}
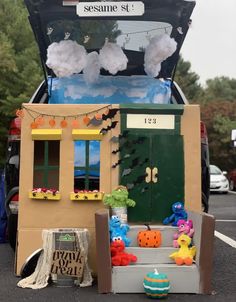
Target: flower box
{"x":45,"y":194}
{"x":83,"y":195}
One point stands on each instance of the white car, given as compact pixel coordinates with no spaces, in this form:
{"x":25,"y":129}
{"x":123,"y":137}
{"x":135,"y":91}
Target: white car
{"x":218,"y":180}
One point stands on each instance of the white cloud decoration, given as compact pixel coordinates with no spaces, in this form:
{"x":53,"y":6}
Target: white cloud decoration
{"x":78,"y":92}
{"x":159,"y":49}
{"x":66,"y":58}
{"x":112,"y":58}
{"x":92,"y":68}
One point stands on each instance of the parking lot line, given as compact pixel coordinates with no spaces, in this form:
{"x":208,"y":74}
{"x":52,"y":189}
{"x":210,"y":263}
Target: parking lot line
{"x":225,"y":220}
{"x":226,"y":239}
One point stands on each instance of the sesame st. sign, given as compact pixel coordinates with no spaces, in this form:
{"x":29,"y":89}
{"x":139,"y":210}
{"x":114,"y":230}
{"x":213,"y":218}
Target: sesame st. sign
{"x":105,"y":9}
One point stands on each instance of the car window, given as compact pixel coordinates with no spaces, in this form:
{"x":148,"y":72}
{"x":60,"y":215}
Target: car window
{"x":130,"y":35}
{"x":215,"y":170}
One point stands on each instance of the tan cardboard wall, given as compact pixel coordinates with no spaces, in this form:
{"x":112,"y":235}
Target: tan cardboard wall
{"x":190,"y":128}
{"x":36,"y":215}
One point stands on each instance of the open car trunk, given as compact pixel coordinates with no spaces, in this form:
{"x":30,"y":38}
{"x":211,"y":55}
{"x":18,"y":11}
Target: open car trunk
{"x":55,"y":20}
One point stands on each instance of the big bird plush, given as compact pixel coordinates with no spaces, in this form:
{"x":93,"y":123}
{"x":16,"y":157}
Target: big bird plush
{"x":185,"y":254}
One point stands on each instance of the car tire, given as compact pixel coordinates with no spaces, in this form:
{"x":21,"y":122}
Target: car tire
{"x":205,"y":204}
{"x":231,"y":185}
{"x":30,"y":264}
{"x":12,"y":219}
{"x":12,"y":230}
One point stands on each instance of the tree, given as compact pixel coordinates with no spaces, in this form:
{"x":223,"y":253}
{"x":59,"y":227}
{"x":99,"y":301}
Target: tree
{"x":19,"y":64}
{"x":188,"y":81}
{"x":220,"y":119}
{"x":220,"y":89}
{"x":218,"y":110}
{"x":96,"y":31}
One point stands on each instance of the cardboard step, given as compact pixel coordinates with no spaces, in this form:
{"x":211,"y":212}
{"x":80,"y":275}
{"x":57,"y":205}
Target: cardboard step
{"x":151,"y":255}
{"x":167,"y":233}
{"x":129,"y":279}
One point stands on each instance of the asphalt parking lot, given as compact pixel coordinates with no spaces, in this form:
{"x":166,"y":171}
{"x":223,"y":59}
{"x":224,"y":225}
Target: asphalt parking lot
{"x":223,"y":207}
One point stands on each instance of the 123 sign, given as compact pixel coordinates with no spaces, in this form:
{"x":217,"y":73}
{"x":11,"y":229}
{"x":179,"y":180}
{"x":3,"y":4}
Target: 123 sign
{"x":104,"y":9}
{"x":151,"y":121}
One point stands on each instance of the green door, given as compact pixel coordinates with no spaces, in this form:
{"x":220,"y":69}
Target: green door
{"x":152,"y":167}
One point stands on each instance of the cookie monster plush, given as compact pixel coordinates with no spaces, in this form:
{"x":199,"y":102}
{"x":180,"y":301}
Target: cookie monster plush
{"x":178,"y":213}
{"x":118,"y":230}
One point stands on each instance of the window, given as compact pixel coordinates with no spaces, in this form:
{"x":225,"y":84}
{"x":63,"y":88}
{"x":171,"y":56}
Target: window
{"x":129,"y":34}
{"x":86,"y":165}
{"x":214,"y":170}
{"x":46,"y":164}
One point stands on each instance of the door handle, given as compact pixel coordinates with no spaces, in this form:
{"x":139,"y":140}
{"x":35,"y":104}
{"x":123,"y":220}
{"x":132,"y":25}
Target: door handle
{"x":148,"y":175}
{"x":155,"y":175}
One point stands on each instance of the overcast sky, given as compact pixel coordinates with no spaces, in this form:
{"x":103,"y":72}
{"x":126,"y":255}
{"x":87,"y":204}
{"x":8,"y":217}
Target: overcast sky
{"x":210,"y":44}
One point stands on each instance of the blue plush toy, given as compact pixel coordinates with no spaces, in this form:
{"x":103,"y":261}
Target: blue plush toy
{"x":178,"y":213}
{"x":118,"y":230}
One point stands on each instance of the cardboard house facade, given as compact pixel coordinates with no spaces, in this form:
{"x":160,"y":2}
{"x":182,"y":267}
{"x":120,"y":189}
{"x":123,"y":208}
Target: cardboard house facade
{"x":159,"y":157}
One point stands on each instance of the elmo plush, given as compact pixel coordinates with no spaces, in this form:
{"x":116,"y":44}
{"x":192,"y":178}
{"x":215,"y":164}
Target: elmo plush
{"x":118,"y":256}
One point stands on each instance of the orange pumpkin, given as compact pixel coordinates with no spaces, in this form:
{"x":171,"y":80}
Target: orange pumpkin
{"x":52,"y":122}
{"x":34,"y":125}
{"x":98,"y":116}
{"x":75,"y":124}
{"x":86,"y":120}
{"x":149,"y":238}
{"x":39,"y":120}
{"x":64,"y":123}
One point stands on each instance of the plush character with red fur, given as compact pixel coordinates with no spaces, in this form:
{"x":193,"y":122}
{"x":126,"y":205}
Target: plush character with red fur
{"x":118,"y":256}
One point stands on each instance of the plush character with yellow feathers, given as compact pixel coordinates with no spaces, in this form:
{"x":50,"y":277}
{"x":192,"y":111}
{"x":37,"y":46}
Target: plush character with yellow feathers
{"x":185,"y":254}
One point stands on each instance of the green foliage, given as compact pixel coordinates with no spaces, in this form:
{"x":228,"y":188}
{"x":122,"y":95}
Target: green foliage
{"x":19,"y":64}
{"x":188,"y":81}
{"x":220,"y":119}
{"x":224,"y":125}
{"x":95,"y":30}
{"x":218,"y":109}
{"x":220,"y":89}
